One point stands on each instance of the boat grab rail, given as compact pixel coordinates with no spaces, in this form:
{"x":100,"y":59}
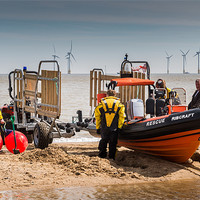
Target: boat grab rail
{"x":131,"y":62}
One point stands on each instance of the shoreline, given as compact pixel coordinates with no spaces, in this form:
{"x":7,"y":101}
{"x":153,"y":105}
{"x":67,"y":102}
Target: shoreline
{"x":78,"y":164}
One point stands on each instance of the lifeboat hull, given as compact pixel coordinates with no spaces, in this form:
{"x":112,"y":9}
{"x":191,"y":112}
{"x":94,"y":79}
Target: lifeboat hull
{"x":173,"y":137}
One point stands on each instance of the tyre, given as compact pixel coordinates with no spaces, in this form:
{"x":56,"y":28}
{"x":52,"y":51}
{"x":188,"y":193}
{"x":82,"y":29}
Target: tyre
{"x":3,"y":137}
{"x":40,"y":135}
{"x":50,"y":140}
{"x":29,"y":138}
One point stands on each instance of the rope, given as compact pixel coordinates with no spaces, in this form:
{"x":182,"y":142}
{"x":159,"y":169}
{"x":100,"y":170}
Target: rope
{"x":56,"y":82}
{"x":15,"y":151}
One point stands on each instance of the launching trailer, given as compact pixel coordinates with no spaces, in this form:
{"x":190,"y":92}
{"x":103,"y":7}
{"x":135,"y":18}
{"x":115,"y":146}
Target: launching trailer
{"x":36,"y":104}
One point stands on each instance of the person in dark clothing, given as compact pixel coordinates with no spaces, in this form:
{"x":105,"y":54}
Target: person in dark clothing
{"x":110,"y":115}
{"x":195,"y":103}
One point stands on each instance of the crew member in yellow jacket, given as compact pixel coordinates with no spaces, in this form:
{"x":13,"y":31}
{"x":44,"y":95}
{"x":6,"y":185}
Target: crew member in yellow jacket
{"x":1,"y":118}
{"x":160,"y":83}
{"x":110,"y":115}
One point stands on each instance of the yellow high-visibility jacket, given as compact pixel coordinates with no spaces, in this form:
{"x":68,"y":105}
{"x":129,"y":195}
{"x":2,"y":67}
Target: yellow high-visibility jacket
{"x":168,"y":91}
{"x":1,"y":117}
{"x":110,"y":113}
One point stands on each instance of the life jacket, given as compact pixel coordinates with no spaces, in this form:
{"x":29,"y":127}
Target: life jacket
{"x":109,"y":112}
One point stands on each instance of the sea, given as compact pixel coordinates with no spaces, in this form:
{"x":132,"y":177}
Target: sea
{"x":75,"y":96}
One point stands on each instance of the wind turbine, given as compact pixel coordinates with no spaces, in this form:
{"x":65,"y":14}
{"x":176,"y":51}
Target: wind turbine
{"x":68,"y":56}
{"x":197,"y":54}
{"x":168,"y":59}
{"x":54,"y":56}
{"x":184,"y":59}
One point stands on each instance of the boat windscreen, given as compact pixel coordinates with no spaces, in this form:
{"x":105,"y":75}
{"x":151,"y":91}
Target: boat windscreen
{"x":131,"y":81}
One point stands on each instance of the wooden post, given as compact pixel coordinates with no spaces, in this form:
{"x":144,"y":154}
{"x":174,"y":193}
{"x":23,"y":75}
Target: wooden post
{"x":91,"y":87}
{"x":135,"y":87}
{"x":128,"y":93}
{"x":139,"y":87}
{"x":143,"y":90}
{"x":131,"y":88}
{"x":95,"y":88}
{"x":99,"y":82}
{"x":120,"y":92}
{"x":60,"y":93}
{"x":18,"y":89}
{"x":55,"y":97}
{"x":44,"y":90}
{"x":21,"y":90}
{"x":125,"y":98}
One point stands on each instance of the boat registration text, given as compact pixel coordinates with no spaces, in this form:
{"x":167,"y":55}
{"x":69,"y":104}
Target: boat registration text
{"x":158,"y":121}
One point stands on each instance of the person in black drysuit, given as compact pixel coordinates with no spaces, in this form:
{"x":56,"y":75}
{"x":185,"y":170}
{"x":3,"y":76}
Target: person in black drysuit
{"x":110,"y":115}
{"x":195,"y":102}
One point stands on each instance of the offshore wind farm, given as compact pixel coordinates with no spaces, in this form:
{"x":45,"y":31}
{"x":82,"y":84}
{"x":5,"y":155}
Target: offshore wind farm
{"x":69,"y":56}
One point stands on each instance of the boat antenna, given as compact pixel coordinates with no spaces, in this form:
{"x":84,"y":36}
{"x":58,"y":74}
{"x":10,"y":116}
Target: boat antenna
{"x":126,"y":57}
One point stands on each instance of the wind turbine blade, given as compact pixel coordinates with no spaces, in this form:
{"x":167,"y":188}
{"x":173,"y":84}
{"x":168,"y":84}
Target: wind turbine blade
{"x":196,"y":54}
{"x":73,"y":57}
{"x":170,"y":56}
{"x":187,"y":52}
{"x":182,"y":51}
{"x":166,"y":53}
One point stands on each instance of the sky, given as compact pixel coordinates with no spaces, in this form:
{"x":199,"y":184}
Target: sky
{"x":102,"y":32}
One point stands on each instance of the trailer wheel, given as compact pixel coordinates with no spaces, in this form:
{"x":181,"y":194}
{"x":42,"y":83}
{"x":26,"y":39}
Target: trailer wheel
{"x":40,"y":135}
{"x":50,"y":140}
{"x":29,"y":137}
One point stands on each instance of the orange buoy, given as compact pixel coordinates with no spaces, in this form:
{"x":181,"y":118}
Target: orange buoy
{"x":21,"y":142}
{"x":1,"y":142}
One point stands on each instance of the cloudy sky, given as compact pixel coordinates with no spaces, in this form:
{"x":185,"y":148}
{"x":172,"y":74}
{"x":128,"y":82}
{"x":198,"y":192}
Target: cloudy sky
{"x":101,"y":33}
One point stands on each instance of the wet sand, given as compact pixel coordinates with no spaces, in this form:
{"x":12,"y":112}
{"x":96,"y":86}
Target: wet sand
{"x":77,"y":164}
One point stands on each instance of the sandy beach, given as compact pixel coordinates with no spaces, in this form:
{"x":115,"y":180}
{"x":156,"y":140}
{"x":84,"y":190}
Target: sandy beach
{"x":77,"y":164}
